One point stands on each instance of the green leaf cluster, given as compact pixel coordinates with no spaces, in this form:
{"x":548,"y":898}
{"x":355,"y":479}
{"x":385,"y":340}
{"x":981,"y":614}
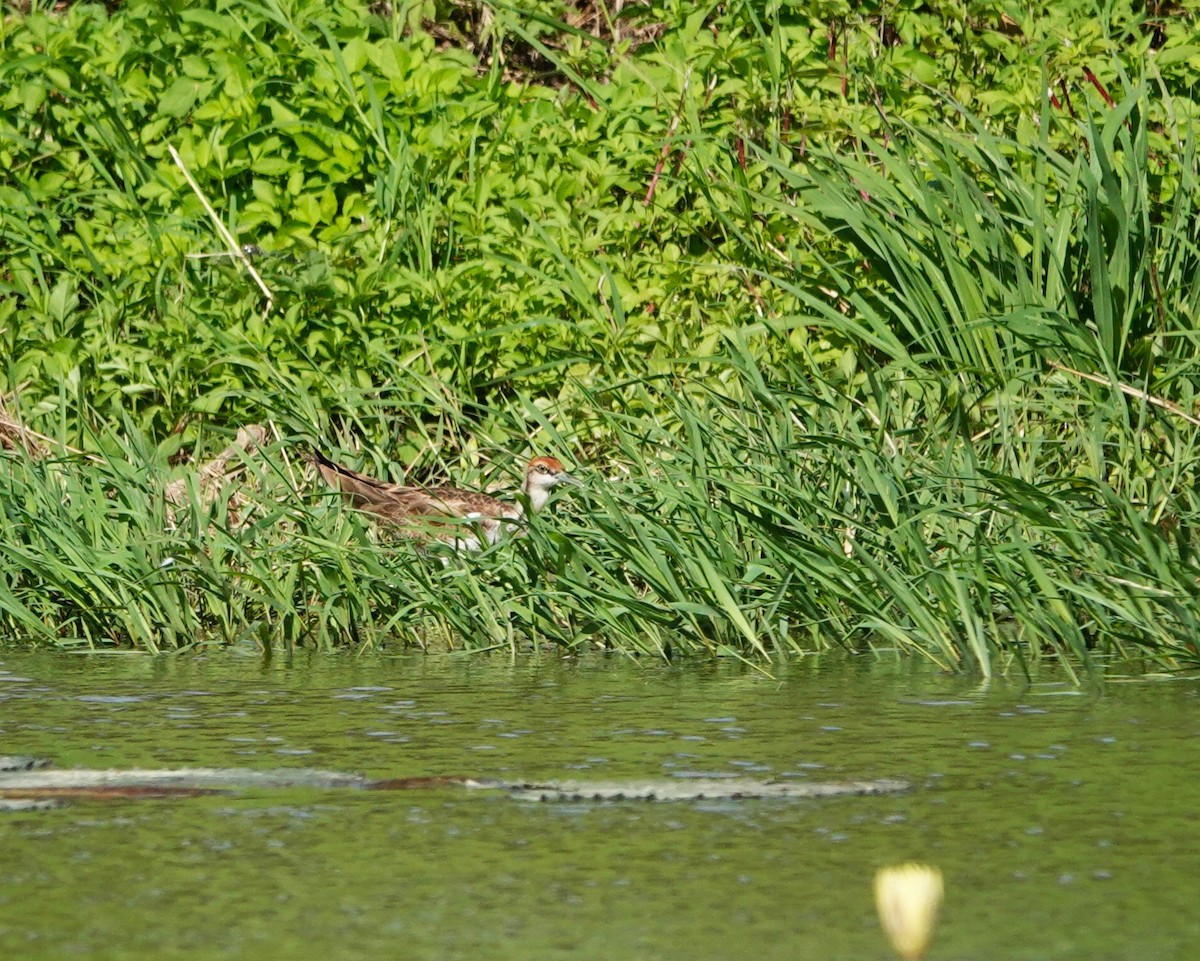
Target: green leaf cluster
{"x":883,"y":317}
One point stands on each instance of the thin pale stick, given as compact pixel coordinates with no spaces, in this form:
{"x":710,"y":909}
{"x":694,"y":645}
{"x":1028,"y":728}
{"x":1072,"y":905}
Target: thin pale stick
{"x":21,"y":431}
{"x":234,"y":247}
{"x":1167,"y":405}
{"x":17,"y":429}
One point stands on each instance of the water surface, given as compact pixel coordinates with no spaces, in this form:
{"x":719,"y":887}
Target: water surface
{"x":1064,"y":820}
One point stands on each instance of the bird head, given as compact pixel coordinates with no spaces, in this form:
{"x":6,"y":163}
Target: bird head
{"x":542,"y":474}
{"x":545,"y":472}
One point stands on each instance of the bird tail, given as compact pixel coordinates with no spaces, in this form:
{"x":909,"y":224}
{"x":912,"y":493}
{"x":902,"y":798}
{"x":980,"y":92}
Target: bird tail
{"x":360,"y":489}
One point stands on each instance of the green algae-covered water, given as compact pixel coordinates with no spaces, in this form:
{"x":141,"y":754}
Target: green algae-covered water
{"x":1065,"y":821}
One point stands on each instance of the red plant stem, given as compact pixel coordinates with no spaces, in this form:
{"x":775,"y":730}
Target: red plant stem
{"x":662,"y":159}
{"x":666,"y":147}
{"x":845,"y":63}
{"x":1099,"y":86}
{"x":1062,"y":83}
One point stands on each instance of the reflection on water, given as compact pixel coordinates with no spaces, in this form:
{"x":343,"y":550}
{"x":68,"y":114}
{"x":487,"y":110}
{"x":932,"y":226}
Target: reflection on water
{"x":1063,"y":820}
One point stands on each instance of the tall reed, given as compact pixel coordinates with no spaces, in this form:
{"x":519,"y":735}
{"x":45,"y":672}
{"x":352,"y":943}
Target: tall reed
{"x":905,"y":385}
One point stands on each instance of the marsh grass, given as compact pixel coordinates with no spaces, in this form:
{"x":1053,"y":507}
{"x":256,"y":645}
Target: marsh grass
{"x":917,"y":385}
{"x":755,"y":519}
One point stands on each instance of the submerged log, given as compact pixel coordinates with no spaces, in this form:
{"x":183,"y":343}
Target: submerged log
{"x":698,"y":789}
{"x":21,"y":762}
{"x":169,"y":779}
{"x":24,"y":780}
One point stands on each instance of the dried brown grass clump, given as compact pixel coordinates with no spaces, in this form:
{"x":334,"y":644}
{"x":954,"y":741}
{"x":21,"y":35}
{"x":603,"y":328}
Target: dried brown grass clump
{"x":213,"y":474}
{"x":14,"y":435}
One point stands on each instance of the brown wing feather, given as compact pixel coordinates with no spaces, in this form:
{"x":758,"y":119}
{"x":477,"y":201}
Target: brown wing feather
{"x":360,"y":490}
{"x":460,"y":503}
{"x":397,"y":502}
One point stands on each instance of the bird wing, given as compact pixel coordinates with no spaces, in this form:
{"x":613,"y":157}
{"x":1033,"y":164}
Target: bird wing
{"x":397,"y":502}
{"x":362,"y":491}
{"x":459,"y":503}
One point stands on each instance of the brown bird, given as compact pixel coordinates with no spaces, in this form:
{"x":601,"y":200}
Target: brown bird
{"x":468,"y":520}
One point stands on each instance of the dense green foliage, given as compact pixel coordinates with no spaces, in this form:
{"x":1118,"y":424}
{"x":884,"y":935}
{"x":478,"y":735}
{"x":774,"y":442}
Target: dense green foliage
{"x":874,"y":330}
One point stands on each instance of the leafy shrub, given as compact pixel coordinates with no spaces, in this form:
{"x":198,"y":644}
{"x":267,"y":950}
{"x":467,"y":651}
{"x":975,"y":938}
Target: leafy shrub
{"x":699,"y":243}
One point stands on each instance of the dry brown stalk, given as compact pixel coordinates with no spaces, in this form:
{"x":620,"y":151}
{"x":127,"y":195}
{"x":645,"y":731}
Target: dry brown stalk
{"x":14,"y":435}
{"x":213,"y":474}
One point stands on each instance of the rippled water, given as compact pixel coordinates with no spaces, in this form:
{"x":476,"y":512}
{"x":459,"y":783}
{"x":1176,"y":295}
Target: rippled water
{"x":1065,"y":821}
